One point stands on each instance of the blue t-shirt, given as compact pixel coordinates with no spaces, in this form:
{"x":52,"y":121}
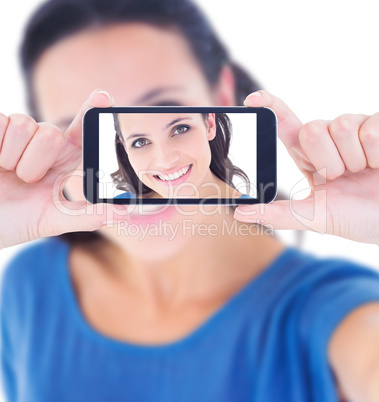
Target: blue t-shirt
{"x":129,"y":194}
{"x":267,"y":343}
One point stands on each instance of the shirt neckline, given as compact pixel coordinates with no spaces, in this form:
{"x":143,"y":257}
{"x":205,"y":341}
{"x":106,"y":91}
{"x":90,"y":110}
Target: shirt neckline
{"x":201,"y":330}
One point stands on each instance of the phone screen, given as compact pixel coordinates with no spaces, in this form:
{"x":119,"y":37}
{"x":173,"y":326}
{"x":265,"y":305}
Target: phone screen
{"x":177,"y":155}
{"x":189,"y":155}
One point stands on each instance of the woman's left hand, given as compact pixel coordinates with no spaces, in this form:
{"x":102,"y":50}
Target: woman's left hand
{"x":340,"y":159}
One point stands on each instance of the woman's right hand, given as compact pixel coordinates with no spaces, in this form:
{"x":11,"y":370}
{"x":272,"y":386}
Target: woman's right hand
{"x":36,"y":159}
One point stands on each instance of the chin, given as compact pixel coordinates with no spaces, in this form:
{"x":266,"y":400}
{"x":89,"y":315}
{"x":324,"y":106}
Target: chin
{"x":156,"y":248}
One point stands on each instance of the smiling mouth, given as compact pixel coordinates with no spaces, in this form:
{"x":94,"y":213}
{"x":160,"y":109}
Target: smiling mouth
{"x":174,"y":176}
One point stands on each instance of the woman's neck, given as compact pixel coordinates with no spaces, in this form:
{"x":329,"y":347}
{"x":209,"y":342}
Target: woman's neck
{"x":219,"y":256}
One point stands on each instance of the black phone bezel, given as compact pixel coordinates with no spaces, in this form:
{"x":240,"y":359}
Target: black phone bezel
{"x":266,"y":154}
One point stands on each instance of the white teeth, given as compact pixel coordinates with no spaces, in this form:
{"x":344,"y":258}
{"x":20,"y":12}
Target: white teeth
{"x":176,"y":175}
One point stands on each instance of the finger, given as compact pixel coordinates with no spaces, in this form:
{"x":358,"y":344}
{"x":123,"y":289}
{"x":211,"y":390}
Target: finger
{"x":369,"y":138}
{"x":71,"y":155}
{"x":76,"y":216}
{"x":344,"y":132}
{"x":288,"y":123}
{"x":47,"y":141}
{"x":19,"y":132}
{"x":4,"y":121}
{"x":287,"y":215}
{"x":98,"y":98}
{"x":320,"y":149}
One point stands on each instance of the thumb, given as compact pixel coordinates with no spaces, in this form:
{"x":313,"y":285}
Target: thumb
{"x":98,"y":98}
{"x":288,"y":214}
{"x":289,"y":124}
{"x":77,"y":216}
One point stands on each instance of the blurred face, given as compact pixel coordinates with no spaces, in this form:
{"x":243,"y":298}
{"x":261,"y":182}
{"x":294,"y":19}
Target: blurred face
{"x":170,"y":153}
{"x":139,"y":65}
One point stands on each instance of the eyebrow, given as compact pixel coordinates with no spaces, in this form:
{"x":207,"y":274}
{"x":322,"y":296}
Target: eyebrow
{"x":167,"y":126}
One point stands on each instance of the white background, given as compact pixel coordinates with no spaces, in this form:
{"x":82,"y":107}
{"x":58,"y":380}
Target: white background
{"x":320,"y":57}
{"x":242,"y":152}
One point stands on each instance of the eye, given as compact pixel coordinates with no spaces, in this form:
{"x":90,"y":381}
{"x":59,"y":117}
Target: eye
{"x":181,"y":129}
{"x":140,"y":143}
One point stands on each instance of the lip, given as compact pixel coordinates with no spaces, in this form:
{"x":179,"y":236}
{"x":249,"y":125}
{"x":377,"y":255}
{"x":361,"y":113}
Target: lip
{"x":163,"y":213}
{"x":177,"y":181}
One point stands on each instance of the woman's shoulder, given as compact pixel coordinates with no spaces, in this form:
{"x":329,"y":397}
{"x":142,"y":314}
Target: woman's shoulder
{"x":32,"y":253}
{"x":325,"y":281}
{"x":336,"y":275}
{"x":35,"y":264}
{"x":126,"y":194}
{"x":320,"y":292}
{"x":32,"y":291}
{"x":303,"y":265}
{"x":243,"y":196}
{"x":129,"y":194}
{"x":300,"y":281}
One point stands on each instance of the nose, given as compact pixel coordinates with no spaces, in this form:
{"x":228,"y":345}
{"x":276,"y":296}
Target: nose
{"x":165,"y":156}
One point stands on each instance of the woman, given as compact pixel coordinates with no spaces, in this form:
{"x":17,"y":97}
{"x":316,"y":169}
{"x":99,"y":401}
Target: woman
{"x":163,"y":155}
{"x":199,"y":306}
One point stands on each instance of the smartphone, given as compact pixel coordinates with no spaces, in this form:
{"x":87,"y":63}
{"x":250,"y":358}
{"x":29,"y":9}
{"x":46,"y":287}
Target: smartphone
{"x":177,"y":154}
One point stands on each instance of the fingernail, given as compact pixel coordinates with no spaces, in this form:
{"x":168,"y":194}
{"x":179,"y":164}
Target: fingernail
{"x":106,"y":94}
{"x":254,"y":94}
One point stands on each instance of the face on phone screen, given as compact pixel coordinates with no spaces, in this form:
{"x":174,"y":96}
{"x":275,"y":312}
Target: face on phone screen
{"x":177,"y":155}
